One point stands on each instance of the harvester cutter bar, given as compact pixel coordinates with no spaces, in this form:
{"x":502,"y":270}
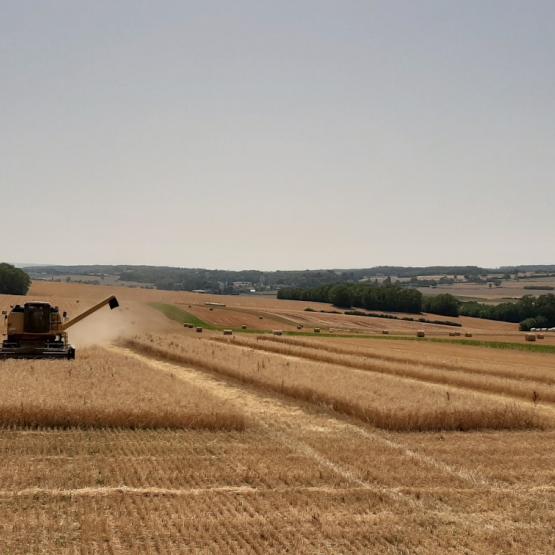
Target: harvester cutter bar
{"x":37,"y":354}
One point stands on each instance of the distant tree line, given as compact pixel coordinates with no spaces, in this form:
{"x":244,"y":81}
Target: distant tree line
{"x":386,"y":296}
{"x":529,"y":312}
{"x":444,"y":304}
{"x":539,"y":287}
{"x":13,"y":281}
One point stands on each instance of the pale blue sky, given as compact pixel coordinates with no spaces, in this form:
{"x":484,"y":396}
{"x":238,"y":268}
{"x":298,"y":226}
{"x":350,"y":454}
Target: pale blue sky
{"x":285,"y":134}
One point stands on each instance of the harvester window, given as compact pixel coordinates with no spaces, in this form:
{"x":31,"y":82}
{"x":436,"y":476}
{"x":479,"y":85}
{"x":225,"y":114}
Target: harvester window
{"x":37,"y":318}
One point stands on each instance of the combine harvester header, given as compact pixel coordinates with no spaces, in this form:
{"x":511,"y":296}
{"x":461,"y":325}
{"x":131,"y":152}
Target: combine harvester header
{"x":36,"y":330}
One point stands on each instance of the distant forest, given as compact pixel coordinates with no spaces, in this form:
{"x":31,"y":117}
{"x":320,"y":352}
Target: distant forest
{"x":530,"y":312}
{"x":222,"y":281}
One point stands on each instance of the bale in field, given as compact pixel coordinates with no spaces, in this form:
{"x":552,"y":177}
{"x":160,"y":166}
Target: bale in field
{"x":261,"y":317}
{"x":316,"y":330}
{"x":277,"y":332}
{"x":228,"y":332}
{"x":299,"y":326}
{"x":540,"y":335}
{"x":420,"y":333}
{"x":243,"y":327}
{"x":199,"y":329}
{"x":468,"y":334}
{"x":385,"y":332}
{"x":530,"y":337}
{"x":452,"y":334}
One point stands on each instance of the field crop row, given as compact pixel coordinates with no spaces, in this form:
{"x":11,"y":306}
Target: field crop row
{"x":520,"y":388}
{"x":532,"y":371}
{"x":103,"y":389}
{"x":384,"y":401}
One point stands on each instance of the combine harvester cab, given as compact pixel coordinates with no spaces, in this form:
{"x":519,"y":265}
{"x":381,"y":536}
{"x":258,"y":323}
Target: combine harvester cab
{"x":37,"y":330}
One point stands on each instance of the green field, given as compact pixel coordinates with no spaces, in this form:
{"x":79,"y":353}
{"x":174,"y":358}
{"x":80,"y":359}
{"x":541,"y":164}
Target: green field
{"x":174,"y":313}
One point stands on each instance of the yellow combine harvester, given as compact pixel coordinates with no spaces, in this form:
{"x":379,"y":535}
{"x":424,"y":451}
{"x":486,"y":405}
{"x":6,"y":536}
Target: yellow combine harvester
{"x":37,"y":330}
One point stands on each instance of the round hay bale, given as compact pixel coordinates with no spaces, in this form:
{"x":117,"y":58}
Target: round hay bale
{"x":261,"y":317}
{"x":468,"y":334}
{"x":530,"y":337}
{"x":243,"y":327}
{"x":420,"y":333}
{"x":199,"y":329}
{"x":299,"y":326}
{"x":277,"y":332}
{"x":228,"y":332}
{"x":385,"y":332}
{"x":540,"y":336}
{"x":452,"y":334}
{"x":210,"y":309}
{"x":316,"y":330}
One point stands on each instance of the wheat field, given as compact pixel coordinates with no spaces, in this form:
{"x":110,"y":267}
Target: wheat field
{"x":384,"y":401}
{"x":160,"y":440}
{"x":104,"y":389}
{"x":528,"y":385}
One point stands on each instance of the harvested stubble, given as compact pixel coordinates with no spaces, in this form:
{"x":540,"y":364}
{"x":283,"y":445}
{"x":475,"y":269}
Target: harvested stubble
{"x":105,"y":390}
{"x":384,"y":401}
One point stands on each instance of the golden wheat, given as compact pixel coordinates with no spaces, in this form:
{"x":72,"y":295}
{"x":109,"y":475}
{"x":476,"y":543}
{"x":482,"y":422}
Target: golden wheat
{"x":103,"y":389}
{"x":384,"y":401}
{"x":384,"y":352}
{"x":296,"y":480}
{"x":519,"y":388}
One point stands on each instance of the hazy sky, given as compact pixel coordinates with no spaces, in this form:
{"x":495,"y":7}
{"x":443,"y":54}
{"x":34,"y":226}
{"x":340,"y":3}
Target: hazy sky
{"x":285,"y":134}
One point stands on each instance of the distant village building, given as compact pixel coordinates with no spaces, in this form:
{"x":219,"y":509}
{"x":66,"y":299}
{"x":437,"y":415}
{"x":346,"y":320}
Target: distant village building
{"x":242,"y":285}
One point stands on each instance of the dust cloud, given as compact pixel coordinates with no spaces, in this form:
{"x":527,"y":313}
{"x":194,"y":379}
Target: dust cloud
{"x":107,"y":326}
{"x":103,"y":327}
